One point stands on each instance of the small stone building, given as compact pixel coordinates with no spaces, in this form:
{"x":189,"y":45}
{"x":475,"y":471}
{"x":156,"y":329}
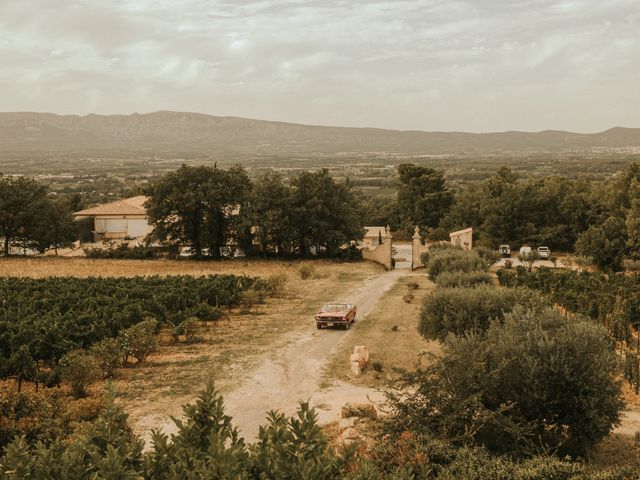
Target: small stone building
{"x":462,"y":238}
{"x":372,"y":237}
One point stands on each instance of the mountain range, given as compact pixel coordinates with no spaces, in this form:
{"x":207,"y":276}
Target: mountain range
{"x":192,"y":132}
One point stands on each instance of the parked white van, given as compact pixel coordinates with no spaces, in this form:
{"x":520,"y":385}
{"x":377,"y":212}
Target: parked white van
{"x":525,"y":250}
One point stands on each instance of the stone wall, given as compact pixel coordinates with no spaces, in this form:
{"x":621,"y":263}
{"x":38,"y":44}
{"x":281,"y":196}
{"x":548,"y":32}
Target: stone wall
{"x":382,"y":254}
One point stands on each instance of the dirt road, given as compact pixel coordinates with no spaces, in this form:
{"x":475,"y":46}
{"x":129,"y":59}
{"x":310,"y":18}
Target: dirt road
{"x":293,"y":373}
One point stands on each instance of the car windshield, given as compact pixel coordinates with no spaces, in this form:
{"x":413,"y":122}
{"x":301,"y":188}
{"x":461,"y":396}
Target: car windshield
{"x":334,"y":307}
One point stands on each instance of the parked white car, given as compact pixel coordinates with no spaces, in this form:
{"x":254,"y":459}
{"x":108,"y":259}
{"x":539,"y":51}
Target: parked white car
{"x":544,"y":252}
{"x":525,"y":250}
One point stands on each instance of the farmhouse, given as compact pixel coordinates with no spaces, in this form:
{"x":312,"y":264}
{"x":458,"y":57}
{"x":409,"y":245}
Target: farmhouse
{"x":373,"y":236}
{"x":122,"y":219}
{"x":462,"y":238}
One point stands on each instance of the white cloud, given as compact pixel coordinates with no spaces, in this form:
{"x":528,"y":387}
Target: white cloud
{"x":423,"y":64}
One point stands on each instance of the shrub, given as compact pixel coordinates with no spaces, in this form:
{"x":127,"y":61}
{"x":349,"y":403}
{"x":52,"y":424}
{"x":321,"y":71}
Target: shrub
{"x":508,"y":264}
{"x":306,"y":271}
{"x":528,"y":259}
{"x":464,"y":279}
{"x":277,"y":284}
{"x":79,"y":369}
{"x":350,"y":254}
{"x":206,"y":445}
{"x":489,"y":255}
{"x":412,"y":286}
{"x":138,"y":341}
{"x":188,"y":328}
{"x":377,"y":366}
{"x":435,"y":248}
{"x":536,"y":382}
{"x":122,"y":252}
{"x":207,"y":313}
{"x":458,"y":310}
{"x":107,"y":354}
{"x":454,"y":260}
{"x":248,"y":299}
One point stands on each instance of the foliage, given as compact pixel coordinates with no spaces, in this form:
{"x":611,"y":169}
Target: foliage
{"x":528,"y":259}
{"x":80,"y":370}
{"x":193,"y":206}
{"x":463,"y":279}
{"x":604,"y":243}
{"x":43,"y":416}
{"x":206,"y":445}
{"x":351,"y":253}
{"x":306,"y":271}
{"x":458,"y":310}
{"x":423,"y":196}
{"x":436,"y":248}
{"x":52,"y":316}
{"x":489,"y":255}
{"x":269,"y":216}
{"x":248,"y":299}
{"x":107,"y":353}
{"x":21,"y":201}
{"x":138,"y":341}
{"x":276,"y":283}
{"x":534,"y":383}
{"x":325,"y":213}
{"x":411,"y":456}
{"x":122,"y":251}
{"x":454,"y":260}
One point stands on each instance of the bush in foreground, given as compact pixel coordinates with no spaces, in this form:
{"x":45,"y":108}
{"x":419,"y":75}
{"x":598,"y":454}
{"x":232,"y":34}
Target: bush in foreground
{"x":458,"y":310}
{"x":536,"y":383}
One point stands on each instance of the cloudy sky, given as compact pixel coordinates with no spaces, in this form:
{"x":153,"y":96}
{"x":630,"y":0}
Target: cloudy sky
{"x":481,"y":65}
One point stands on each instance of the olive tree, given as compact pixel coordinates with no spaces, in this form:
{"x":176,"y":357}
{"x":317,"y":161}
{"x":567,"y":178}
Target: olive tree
{"x":537,"y":382}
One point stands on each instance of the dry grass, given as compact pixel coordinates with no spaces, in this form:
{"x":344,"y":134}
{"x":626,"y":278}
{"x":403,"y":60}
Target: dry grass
{"x":85,"y":267}
{"x":394,"y":348}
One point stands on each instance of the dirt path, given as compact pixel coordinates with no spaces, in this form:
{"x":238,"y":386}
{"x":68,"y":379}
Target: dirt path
{"x":293,"y":374}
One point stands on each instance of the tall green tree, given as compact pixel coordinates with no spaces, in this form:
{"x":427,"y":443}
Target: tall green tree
{"x":423,"y":196}
{"x":269,"y":216}
{"x":326,"y":213}
{"x":21,"y":200}
{"x":54,"y":226}
{"x":197,"y":206}
{"x":605,"y":244}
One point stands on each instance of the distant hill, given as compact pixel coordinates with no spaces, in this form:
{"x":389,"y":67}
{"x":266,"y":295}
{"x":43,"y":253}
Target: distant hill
{"x":191,"y":132}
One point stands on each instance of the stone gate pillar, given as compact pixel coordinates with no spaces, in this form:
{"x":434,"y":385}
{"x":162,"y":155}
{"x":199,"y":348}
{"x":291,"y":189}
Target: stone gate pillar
{"x":415,"y":249}
{"x":388,"y":247}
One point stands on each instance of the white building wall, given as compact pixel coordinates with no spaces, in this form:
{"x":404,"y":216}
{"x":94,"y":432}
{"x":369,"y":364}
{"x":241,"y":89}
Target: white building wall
{"x":137,"y":227}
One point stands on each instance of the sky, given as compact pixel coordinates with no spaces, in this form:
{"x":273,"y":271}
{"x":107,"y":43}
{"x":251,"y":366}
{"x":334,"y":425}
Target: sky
{"x":482,"y":65}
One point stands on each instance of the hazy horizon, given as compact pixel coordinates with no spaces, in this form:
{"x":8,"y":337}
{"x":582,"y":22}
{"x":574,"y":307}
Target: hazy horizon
{"x":427,"y":65}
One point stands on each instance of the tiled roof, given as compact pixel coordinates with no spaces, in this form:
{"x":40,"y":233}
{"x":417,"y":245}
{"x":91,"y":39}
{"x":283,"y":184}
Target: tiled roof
{"x":127,"y":206}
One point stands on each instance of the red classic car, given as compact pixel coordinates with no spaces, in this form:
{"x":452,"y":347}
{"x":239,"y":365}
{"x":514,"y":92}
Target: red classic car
{"x":336,"y":315}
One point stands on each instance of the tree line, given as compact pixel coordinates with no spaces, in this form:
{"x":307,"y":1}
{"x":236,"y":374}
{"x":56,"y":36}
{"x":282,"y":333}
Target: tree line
{"x":597,"y":218}
{"x":209,"y":208}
